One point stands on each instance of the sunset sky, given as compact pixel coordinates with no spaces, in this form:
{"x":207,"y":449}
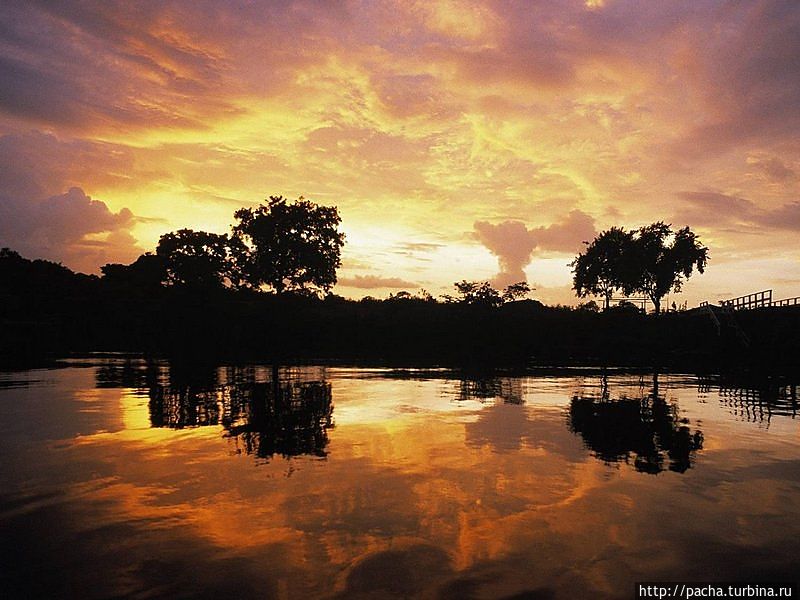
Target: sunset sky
{"x":459,"y":140}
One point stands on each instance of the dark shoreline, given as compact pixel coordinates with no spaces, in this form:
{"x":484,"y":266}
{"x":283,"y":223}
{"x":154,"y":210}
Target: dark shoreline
{"x":46,"y":311}
{"x":517,"y":339}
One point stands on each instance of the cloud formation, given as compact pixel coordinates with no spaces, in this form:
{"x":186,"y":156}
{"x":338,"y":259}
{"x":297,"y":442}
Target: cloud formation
{"x":107,"y":65}
{"x":714,"y":208}
{"x":40,"y":220}
{"x":372,"y":282}
{"x":774,"y":169}
{"x":514,"y":244}
{"x":70,"y":228}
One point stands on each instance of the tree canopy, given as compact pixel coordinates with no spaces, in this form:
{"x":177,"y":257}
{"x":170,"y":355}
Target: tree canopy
{"x":652,"y":260}
{"x":290,"y":246}
{"x":481,"y":293}
{"x":605,"y":265}
{"x":199,"y":259}
{"x":516,"y":291}
{"x":664,"y":260}
{"x":478,"y":294}
{"x":145,"y":273}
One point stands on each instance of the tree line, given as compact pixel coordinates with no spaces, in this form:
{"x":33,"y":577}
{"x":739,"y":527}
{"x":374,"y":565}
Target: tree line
{"x":263,"y":291}
{"x":295,"y":247}
{"x":280,"y":246}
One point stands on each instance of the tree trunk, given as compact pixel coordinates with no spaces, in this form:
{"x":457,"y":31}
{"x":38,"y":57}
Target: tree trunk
{"x":607,"y":301}
{"x":657,"y":305}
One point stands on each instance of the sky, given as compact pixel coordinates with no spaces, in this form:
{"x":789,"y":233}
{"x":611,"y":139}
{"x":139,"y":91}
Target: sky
{"x":478,"y":140}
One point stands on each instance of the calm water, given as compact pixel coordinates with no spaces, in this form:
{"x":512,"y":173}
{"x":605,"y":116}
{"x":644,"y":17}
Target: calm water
{"x":127,"y":479}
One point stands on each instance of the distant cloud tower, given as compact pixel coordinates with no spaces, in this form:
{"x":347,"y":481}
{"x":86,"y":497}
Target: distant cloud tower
{"x":513,"y":243}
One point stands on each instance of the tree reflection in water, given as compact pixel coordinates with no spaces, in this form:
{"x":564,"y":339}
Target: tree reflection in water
{"x":647,"y":431}
{"x":266,"y":412}
{"x":483,"y":389}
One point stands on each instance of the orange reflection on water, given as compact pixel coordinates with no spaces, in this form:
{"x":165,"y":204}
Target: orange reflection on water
{"x":380,"y":483}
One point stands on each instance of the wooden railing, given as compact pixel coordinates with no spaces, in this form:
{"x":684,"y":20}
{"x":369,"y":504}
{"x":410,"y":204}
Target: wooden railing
{"x":750,"y":301}
{"x":756,"y":300}
{"x":787,"y":302}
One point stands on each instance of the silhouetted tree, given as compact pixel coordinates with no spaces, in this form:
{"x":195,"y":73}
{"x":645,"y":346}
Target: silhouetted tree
{"x":425,"y":296}
{"x":291,"y":246}
{"x":476,"y":293}
{"x":516,"y":291}
{"x":19,"y":274}
{"x":401,"y":296}
{"x":199,"y":258}
{"x":422,"y":296}
{"x":663,"y":260}
{"x":590,"y":306}
{"x":605,"y":265}
{"x":146,"y":272}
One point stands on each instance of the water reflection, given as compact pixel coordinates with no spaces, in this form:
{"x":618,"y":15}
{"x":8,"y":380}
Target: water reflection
{"x":265,"y":412}
{"x":752,"y":400}
{"x":646,"y":431}
{"x":484,"y":389}
{"x":438,"y":486}
{"x":136,"y":374}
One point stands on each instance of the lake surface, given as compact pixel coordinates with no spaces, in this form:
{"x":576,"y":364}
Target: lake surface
{"x":123,"y":478}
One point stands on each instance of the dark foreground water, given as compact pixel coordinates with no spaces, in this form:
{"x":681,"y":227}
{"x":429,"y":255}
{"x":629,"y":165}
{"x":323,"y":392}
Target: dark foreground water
{"x":127,"y":479}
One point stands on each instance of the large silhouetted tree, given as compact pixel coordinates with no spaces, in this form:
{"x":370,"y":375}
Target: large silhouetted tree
{"x":663,"y":260}
{"x":199,"y":259}
{"x":653,"y":261}
{"x":292,"y":246}
{"x":605,"y":265}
